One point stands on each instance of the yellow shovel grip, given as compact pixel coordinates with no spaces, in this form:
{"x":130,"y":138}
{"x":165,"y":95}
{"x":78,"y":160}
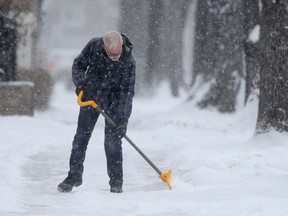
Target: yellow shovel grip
{"x":85,"y":103}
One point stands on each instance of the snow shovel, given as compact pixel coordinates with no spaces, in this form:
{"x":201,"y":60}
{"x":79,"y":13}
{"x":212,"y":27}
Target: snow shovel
{"x":164,"y":176}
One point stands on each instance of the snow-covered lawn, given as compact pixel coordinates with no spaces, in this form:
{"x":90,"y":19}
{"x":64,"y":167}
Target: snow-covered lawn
{"x":219,"y":167}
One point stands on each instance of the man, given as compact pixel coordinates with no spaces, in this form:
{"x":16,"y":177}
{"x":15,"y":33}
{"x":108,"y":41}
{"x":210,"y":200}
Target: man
{"x":105,"y":71}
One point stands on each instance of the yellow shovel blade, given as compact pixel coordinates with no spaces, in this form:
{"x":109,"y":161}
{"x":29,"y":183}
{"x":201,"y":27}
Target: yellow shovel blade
{"x":166,"y":177}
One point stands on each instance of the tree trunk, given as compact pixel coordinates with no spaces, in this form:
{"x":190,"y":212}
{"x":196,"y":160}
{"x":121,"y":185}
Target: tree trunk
{"x":153,"y":46}
{"x":219,"y":52}
{"x":251,"y":46}
{"x":273,"y":104}
{"x":134,"y":23}
{"x":202,"y":49}
{"x":156,"y":28}
{"x":173,"y":20}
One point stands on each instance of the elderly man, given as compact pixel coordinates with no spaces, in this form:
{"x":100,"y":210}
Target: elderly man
{"x":105,"y":71}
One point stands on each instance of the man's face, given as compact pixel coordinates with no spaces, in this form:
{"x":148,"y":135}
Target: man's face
{"x":114,"y":53}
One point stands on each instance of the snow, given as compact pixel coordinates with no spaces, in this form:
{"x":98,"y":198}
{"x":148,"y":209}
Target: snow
{"x":220,"y":167}
{"x":254,"y":34}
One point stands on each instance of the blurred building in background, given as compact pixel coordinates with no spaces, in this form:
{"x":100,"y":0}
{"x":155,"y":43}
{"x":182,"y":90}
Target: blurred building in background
{"x":8,"y":44}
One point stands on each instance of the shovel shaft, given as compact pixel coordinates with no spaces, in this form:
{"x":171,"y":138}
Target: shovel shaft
{"x":142,"y":154}
{"x":106,"y":116}
{"x":129,"y":141}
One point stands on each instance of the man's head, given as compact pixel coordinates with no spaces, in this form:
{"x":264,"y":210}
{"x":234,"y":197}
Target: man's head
{"x":113,"y":45}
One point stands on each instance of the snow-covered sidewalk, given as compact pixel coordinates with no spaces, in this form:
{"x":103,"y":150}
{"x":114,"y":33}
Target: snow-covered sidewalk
{"x":219,"y":168}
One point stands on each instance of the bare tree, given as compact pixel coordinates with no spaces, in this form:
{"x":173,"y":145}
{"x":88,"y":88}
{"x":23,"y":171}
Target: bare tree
{"x":273,"y":104}
{"x":156,"y":28}
{"x":251,"y":10}
{"x":171,"y":42}
{"x":134,"y":23}
{"x":153,"y":47}
{"x":219,"y":52}
{"x":202,"y":48}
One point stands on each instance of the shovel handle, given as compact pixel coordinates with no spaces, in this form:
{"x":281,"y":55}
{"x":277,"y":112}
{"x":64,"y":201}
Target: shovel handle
{"x":85,"y":103}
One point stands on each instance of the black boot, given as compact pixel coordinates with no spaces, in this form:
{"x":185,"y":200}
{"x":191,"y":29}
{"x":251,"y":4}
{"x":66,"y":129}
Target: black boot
{"x":69,"y":183}
{"x":116,"y":189}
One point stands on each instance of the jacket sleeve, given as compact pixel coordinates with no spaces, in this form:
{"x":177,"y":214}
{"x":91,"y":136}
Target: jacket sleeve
{"x":80,"y":65}
{"x":127,"y":91}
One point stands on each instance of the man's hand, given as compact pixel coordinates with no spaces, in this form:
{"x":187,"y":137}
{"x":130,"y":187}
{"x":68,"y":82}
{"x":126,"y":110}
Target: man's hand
{"x":82,"y":85}
{"x":77,"y":91}
{"x":80,"y":88}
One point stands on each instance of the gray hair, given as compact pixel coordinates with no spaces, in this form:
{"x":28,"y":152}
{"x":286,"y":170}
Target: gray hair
{"x":112,"y":39}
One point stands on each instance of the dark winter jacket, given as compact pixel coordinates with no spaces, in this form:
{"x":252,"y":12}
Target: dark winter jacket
{"x":105,"y":81}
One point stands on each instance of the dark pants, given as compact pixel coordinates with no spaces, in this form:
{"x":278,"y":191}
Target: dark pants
{"x":113,"y":146}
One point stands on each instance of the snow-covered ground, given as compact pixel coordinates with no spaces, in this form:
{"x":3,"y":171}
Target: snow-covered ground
{"x":219,"y":167}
